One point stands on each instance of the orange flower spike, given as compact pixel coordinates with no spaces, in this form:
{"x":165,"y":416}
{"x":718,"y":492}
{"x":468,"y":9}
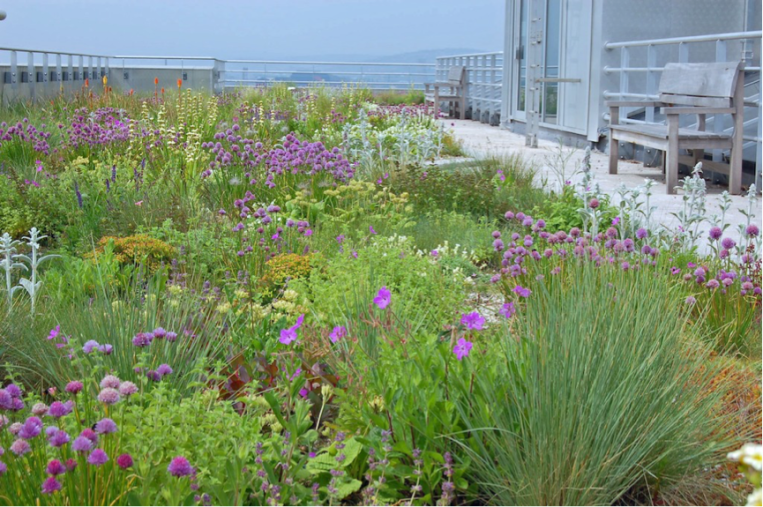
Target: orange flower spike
{"x":162,"y":90}
{"x":87,"y":83}
{"x":131,"y":92}
{"x":180,"y":83}
{"x":105,"y":81}
{"x":156,"y":81}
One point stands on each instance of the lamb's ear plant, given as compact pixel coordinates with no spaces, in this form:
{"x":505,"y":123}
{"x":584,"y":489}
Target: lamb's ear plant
{"x":8,"y":249}
{"x":33,"y":286}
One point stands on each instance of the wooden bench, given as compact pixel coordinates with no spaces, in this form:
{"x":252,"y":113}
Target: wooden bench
{"x":454,"y":91}
{"x":688,"y":88}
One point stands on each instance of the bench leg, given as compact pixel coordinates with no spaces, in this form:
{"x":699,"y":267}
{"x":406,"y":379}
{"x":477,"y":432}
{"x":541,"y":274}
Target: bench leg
{"x":671,"y":156}
{"x":436,"y":104}
{"x":735,"y":164}
{"x":614,"y":153}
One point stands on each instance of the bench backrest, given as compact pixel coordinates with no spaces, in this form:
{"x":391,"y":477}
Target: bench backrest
{"x":700,"y":84}
{"x":457,"y":75}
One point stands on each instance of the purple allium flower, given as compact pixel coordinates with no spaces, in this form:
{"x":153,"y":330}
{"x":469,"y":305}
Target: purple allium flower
{"x":143,"y":339}
{"x":159,"y":333}
{"x":540,"y":224}
{"x":473,"y":321}
{"x":152,"y":375}
{"x":593,"y":203}
{"x":31,"y":428}
{"x":712,"y":284}
{"x":90,"y":346}
{"x":20,"y":447}
{"x":527,"y":222}
{"x":50,"y":485}
{"x":179,"y":467}
{"x":575,"y":232}
{"x":82,"y":444}
{"x":690,"y":300}
{"x":13,"y":390}
{"x":509,"y":215}
{"x":462,"y":348}
{"x":105,"y":426}
{"x":337,"y":334}
{"x":715,"y":233}
{"x":74,"y":387}
{"x":98,"y":457}
{"x":728,"y":243}
{"x":383,"y":298}
{"x":496,"y":234}
{"x":71,"y":464}
{"x":3,"y":468}
{"x":59,"y":438}
{"x":124,"y":461}
{"x":127,"y":389}
{"x":521,"y":291}
{"x":498,"y":245}
{"x":110,"y":381}
{"x":55,"y":467}
{"x":58,"y":409}
{"x":105,"y":349}
{"x":507,"y":310}
{"x":642,"y":233}
{"x":171,"y":337}
{"x":109,"y":396}
{"x":752,"y":230}
{"x":14,"y":428}
{"x":164,"y":369}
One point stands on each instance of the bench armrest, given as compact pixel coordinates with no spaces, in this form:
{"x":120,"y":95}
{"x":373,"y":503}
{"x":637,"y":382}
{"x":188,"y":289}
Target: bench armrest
{"x":633,"y":103}
{"x":697,"y":110}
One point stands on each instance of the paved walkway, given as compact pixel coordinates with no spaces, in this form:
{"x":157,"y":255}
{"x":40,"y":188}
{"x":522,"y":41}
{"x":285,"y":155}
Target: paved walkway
{"x":480,"y":140}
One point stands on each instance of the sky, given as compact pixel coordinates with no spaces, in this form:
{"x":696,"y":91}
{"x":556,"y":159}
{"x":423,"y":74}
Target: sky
{"x":252,"y":29}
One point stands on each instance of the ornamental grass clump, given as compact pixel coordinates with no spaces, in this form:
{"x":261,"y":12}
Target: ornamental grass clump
{"x":601,"y":395}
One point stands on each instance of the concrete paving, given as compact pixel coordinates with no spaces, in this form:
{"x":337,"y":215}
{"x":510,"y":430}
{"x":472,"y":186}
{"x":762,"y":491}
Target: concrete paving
{"x":481,"y":140}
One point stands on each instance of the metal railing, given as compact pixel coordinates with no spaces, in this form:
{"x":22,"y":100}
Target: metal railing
{"x":642,"y":62}
{"x":484,"y":77}
{"x":372,"y":75}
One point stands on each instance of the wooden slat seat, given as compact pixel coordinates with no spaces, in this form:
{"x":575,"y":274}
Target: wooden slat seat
{"x":452,"y":90}
{"x":688,"y":88}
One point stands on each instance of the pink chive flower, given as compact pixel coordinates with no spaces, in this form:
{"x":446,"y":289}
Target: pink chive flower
{"x":105,"y":426}
{"x":124,"y":461}
{"x":127,"y":389}
{"x":383,"y":298}
{"x":473,"y":321}
{"x":20,"y":447}
{"x":55,"y":467}
{"x":50,"y":485}
{"x":462,"y":348}
{"x":110,"y":381}
{"x":109,"y":396}
{"x":59,"y":439}
{"x":179,"y":467}
{"x":58,"y":409}
{"x":98,"y":457}
{"x":74,"y":387}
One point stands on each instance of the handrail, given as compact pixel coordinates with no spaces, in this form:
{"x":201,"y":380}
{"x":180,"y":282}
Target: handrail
{"x":691,"y":38}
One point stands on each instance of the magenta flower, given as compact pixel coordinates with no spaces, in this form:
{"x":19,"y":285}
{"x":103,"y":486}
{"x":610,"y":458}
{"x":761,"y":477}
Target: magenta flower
{"x":58,"y":409}
{"x":124,"y":461}
{"x":728,"y":243}
{"x":50,"y":485}
{"x":615,"y":220}
{"x":98,"y":457}
{"x":507,"y":310}
{"x":54,"y":332}
{"x":383,"y":298}
{"x":691,"y":300}
{"x":179,"y":467}
{"x":55,"y":467}
{"x":59,"y":438}
{"x":31,"y":428}
{"x":462,"y":348}
{"x":715,"y":233}
{"x":522,"y":292}
{"x":371,"y":229}
{"x":337,"y":334}
{"x":642,"y":233}
{"x":288,"y":335}
{"x":90,"y":346}
{"x":752,"y":230}
{"x":143,"y":339}
{"x":164,"y":369}
{"x":74,"y":387}
{"x":473,"y":321}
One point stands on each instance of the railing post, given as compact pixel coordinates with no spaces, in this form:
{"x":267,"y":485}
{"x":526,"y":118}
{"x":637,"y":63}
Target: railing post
{"x":625,"y":59}
{"x":651,"y":78}
{"x":89,"y":67}
{"x":493,"y":82}
{"x":81,"y":67}
{"x":44,"y":69}
{"x":31,"y":78}
{"x":719,"y":120}
{"x":59,"y":71}
{"x":70,"y":59}
{"x":14,"y":71}
{"x":683,"y":52}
